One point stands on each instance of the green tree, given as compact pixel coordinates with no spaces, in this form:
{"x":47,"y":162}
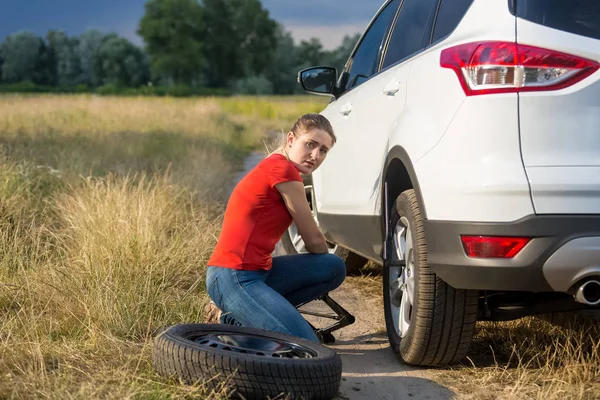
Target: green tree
{"x":240,"y":40}
{"x":254,"y":85}
{"x":64,"y":52}
{"x":44,"y":65}
{"x":172,"y":31}
{"x":282,"y":71}
{"x":87,"y":52}
{"x":20,"y":52}
{"x":311,"y":52}
{"x":122,"y":63}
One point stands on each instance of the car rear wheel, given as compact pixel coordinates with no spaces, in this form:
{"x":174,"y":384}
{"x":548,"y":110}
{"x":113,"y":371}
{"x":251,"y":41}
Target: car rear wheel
{"x":427,"y":321}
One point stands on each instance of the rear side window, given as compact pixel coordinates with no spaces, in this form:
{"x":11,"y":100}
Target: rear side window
{"x":410,"y":32}
{"x":449,"y":16}
{"x":581,"y":17}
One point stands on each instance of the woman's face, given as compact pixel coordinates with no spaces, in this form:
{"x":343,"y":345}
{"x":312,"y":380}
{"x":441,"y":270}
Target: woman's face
{"x":308,"y":151}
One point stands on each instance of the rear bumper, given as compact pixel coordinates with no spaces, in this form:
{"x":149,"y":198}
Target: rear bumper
{"x":564,"y":250}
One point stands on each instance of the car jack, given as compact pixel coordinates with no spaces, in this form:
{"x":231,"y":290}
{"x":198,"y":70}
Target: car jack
{"x":343,"y":318}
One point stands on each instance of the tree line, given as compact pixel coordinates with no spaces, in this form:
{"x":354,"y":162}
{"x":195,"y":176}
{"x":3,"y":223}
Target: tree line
{"x":228,"y":45}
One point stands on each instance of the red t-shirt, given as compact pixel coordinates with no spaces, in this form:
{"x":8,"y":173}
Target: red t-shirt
{"x":256,"y":217}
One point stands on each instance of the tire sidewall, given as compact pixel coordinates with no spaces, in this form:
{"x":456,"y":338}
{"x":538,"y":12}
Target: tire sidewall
{"x":403,"y":346}
{"x":180,"y":352}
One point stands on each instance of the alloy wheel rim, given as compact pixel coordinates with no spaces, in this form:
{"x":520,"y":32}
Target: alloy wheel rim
{"x":298,"y":243}
{"x":402,"y":280}
{"x":257,"y":345}
{"x":295,"y":237}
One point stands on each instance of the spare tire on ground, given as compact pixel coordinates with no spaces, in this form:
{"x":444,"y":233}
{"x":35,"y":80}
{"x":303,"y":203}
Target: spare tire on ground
{"x":253,"y":363}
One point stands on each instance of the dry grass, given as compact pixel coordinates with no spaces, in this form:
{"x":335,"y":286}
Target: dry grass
{"x":95,"y":136}
{"x":531,"y":358}
{"x":123,"y":259}
{"x":110,"y":208}
{"x":368,"y":286}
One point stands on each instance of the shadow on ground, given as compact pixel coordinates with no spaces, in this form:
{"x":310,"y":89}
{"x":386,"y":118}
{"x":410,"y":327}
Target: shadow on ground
{"x":371,"y":370}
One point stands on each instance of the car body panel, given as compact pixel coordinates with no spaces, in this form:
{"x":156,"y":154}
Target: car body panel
{"x":560,"y":130}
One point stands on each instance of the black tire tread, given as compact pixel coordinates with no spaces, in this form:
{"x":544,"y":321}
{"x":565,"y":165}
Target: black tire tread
{"x":445,"y":317}
{"x":254,"y":377}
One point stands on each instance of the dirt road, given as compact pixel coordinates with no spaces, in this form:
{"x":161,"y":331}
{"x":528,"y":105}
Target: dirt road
{"x":370,"y":368}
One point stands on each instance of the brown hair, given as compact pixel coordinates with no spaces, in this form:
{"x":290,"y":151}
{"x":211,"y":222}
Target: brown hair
{"x":313,"y":121}
{"x":304,"y":124}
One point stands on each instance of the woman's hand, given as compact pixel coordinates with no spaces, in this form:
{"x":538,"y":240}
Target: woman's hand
{"x":294,"y":197}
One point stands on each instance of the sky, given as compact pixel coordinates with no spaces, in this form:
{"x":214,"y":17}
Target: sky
{"x":328,"y":20}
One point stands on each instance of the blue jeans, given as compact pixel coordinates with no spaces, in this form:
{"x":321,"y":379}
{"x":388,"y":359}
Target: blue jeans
{"x":268,"y":299}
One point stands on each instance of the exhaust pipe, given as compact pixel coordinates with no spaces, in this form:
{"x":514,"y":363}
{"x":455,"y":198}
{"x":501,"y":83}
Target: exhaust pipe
{"x":588,"y":293}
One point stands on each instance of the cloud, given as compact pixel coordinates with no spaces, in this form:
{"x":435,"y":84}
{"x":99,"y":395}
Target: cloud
{"x":330,"y":36}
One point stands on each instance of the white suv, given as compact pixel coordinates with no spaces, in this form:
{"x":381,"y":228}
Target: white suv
{"x":467,"y":164}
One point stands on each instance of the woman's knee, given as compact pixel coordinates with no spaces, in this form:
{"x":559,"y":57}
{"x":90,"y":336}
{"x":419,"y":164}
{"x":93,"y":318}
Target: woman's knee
{"x":336,"y":266}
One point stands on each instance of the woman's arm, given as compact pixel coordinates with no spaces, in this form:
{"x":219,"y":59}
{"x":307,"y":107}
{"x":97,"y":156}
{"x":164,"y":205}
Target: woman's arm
{"x":294,"y":197}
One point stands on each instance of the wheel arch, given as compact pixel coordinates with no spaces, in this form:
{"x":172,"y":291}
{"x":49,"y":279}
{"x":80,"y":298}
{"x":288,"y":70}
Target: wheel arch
{"x":400,"y":175}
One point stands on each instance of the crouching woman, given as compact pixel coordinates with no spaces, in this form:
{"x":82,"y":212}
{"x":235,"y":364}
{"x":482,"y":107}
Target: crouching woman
{"x":248,"y":286}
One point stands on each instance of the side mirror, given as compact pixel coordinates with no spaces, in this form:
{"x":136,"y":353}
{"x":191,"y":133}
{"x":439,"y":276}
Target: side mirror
{"x":318,"y":80}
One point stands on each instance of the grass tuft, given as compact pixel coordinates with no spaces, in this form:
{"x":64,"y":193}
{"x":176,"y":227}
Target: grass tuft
{"x":551,"y":357}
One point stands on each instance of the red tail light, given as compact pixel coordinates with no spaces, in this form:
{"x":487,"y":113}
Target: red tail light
{"x":504,"y":67}
{"x":493,"y":246}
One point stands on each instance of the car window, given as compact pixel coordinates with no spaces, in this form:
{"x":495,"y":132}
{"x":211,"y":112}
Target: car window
{"x":366,"y":58}
{"x":450,"y":14}
{"x":411,"y":30}
{"x":581,"y":17}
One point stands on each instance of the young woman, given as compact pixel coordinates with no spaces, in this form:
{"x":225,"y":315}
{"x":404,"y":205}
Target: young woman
{"x":247,"y":286}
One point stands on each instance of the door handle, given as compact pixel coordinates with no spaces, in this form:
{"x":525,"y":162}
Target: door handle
{"x":346,"y":109}
{"x":392,"y":88}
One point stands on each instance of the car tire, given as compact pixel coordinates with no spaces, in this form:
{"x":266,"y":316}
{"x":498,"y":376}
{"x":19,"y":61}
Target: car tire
{"x":251,"y":362}
{"x":428,"y":322}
